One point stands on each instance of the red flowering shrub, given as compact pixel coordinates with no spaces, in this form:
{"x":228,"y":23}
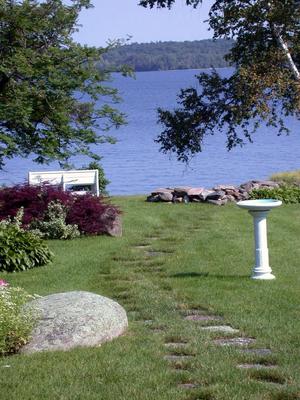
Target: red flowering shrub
{"x":34,"y":199}
{"x":91,"y":215}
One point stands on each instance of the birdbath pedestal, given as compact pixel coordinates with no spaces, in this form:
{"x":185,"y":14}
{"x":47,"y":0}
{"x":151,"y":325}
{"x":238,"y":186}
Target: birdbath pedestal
{"x":259,"y":210}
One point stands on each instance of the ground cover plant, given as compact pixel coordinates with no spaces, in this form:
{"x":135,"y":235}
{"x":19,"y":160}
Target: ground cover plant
{"x":15,"y":323}
{"x":173,"y":261}
{"x":289,"y":194}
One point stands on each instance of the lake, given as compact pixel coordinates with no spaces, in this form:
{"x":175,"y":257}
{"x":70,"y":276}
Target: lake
{"x":134,"y":165}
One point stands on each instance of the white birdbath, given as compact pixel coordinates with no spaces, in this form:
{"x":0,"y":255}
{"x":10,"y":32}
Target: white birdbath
{"x":259,"y":210}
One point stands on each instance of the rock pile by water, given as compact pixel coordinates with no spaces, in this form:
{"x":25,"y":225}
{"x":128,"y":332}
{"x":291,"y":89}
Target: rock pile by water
{"x":218,"y":195}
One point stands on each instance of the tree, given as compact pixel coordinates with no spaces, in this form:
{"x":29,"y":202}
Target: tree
{"x":265,"y":84}
{"x":52,"y":96}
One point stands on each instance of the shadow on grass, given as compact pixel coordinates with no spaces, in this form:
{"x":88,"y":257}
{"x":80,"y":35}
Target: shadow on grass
{"x":190,"y":275}
{"x":207,"y":275}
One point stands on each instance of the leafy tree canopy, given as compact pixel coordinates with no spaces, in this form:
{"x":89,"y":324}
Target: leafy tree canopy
{"x":264,"y":88}
{"x":49,"y":85}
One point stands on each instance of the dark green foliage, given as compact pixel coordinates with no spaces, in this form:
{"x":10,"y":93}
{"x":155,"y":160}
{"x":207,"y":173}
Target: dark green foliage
{"x":169,"y":55}
{"x":167,"y":3}
{"x":103,"y":181}
{"x":287,"y":194}
{"x":264,"y":88}
{"x":21,"y":250}
{"x":41,"y":68}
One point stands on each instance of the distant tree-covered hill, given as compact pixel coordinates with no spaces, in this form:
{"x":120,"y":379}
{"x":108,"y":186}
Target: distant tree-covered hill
{"x":169,"y":55}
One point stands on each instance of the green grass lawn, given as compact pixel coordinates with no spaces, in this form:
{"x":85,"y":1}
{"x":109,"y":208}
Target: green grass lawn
{"x":198,"y":256}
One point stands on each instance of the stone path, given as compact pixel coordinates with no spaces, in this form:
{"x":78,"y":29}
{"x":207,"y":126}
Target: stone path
{"x":236,"y":341}
{"x":256,"y":366}
{"x":240,"y":342}
{"x":197,"y":317}
{"x":175,"y":345}
{"x":177,"y":353}
{"x":219,"y":328}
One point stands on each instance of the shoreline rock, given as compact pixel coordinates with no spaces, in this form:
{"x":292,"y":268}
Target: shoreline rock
{"x":218,"y":195}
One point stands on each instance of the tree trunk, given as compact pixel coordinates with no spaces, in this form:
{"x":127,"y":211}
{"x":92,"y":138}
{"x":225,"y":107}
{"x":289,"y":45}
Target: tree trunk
{"x":284,"y":47}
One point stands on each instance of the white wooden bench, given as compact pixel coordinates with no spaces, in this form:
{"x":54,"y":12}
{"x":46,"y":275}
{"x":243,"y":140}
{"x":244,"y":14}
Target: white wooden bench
{"x":77,"y":181}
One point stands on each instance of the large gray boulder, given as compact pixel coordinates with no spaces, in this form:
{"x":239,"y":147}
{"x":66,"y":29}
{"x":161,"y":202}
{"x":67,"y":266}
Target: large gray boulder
{"x":75,"y":319}
{"x":115,"y":229}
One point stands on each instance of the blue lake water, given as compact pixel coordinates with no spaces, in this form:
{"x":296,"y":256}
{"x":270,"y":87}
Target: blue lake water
{"x":134,"y":165}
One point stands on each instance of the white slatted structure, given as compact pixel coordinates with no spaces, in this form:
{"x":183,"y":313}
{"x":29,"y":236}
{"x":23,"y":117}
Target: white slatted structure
{"x":85,"y":180}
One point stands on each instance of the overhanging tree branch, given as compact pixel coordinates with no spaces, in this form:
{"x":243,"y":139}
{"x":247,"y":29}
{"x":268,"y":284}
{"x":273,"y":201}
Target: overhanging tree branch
{"x":41,"y":68}
{"x":263,"y":89}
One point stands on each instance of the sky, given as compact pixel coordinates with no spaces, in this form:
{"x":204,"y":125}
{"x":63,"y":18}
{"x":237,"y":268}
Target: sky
{"x":118,"y":19}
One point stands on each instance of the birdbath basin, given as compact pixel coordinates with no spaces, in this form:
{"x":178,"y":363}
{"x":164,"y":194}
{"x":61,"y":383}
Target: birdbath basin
{"x":259,"y":210}
{"x":259,"y":205}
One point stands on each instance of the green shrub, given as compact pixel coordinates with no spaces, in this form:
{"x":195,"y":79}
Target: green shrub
{"x":16,"y":323}
{"x":288,"y":178}
{"x":103,"y":181}
{"x":53,"y":225}
{"x":19,"y":249}
{"x":287,"y":194}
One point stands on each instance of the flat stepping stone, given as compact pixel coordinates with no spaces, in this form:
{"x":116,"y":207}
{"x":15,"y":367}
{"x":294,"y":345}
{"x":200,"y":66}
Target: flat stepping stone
{"x":256,"y":366}
{"x":219,"y":328}
{"x":175,"y":345}
{"x":178,"y":357}
{"x":202,"y":317}
{"x":188,"y":385}
{"x":75,"y":319}
{"x":179,"y":367}
{"x":155,"y":253}
{"x":194,"y":311}
{"x":157,"y":330}
{"x":259,"y":352}
{"x":141,"y":246}
{"x":238,"y":341}
{"x":148,"y":321}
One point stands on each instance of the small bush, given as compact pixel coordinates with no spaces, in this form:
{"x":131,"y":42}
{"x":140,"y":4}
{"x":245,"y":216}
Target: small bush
{"x":53,"y":225}
{"x":103,"y":181}
{"x":287,"y":194}
{"x":16,"y":323}
{"x":91,"y":215}
{"x":21,"y":250}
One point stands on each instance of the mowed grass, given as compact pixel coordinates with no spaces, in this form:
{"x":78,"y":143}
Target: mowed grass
{"x":173,"y":258}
